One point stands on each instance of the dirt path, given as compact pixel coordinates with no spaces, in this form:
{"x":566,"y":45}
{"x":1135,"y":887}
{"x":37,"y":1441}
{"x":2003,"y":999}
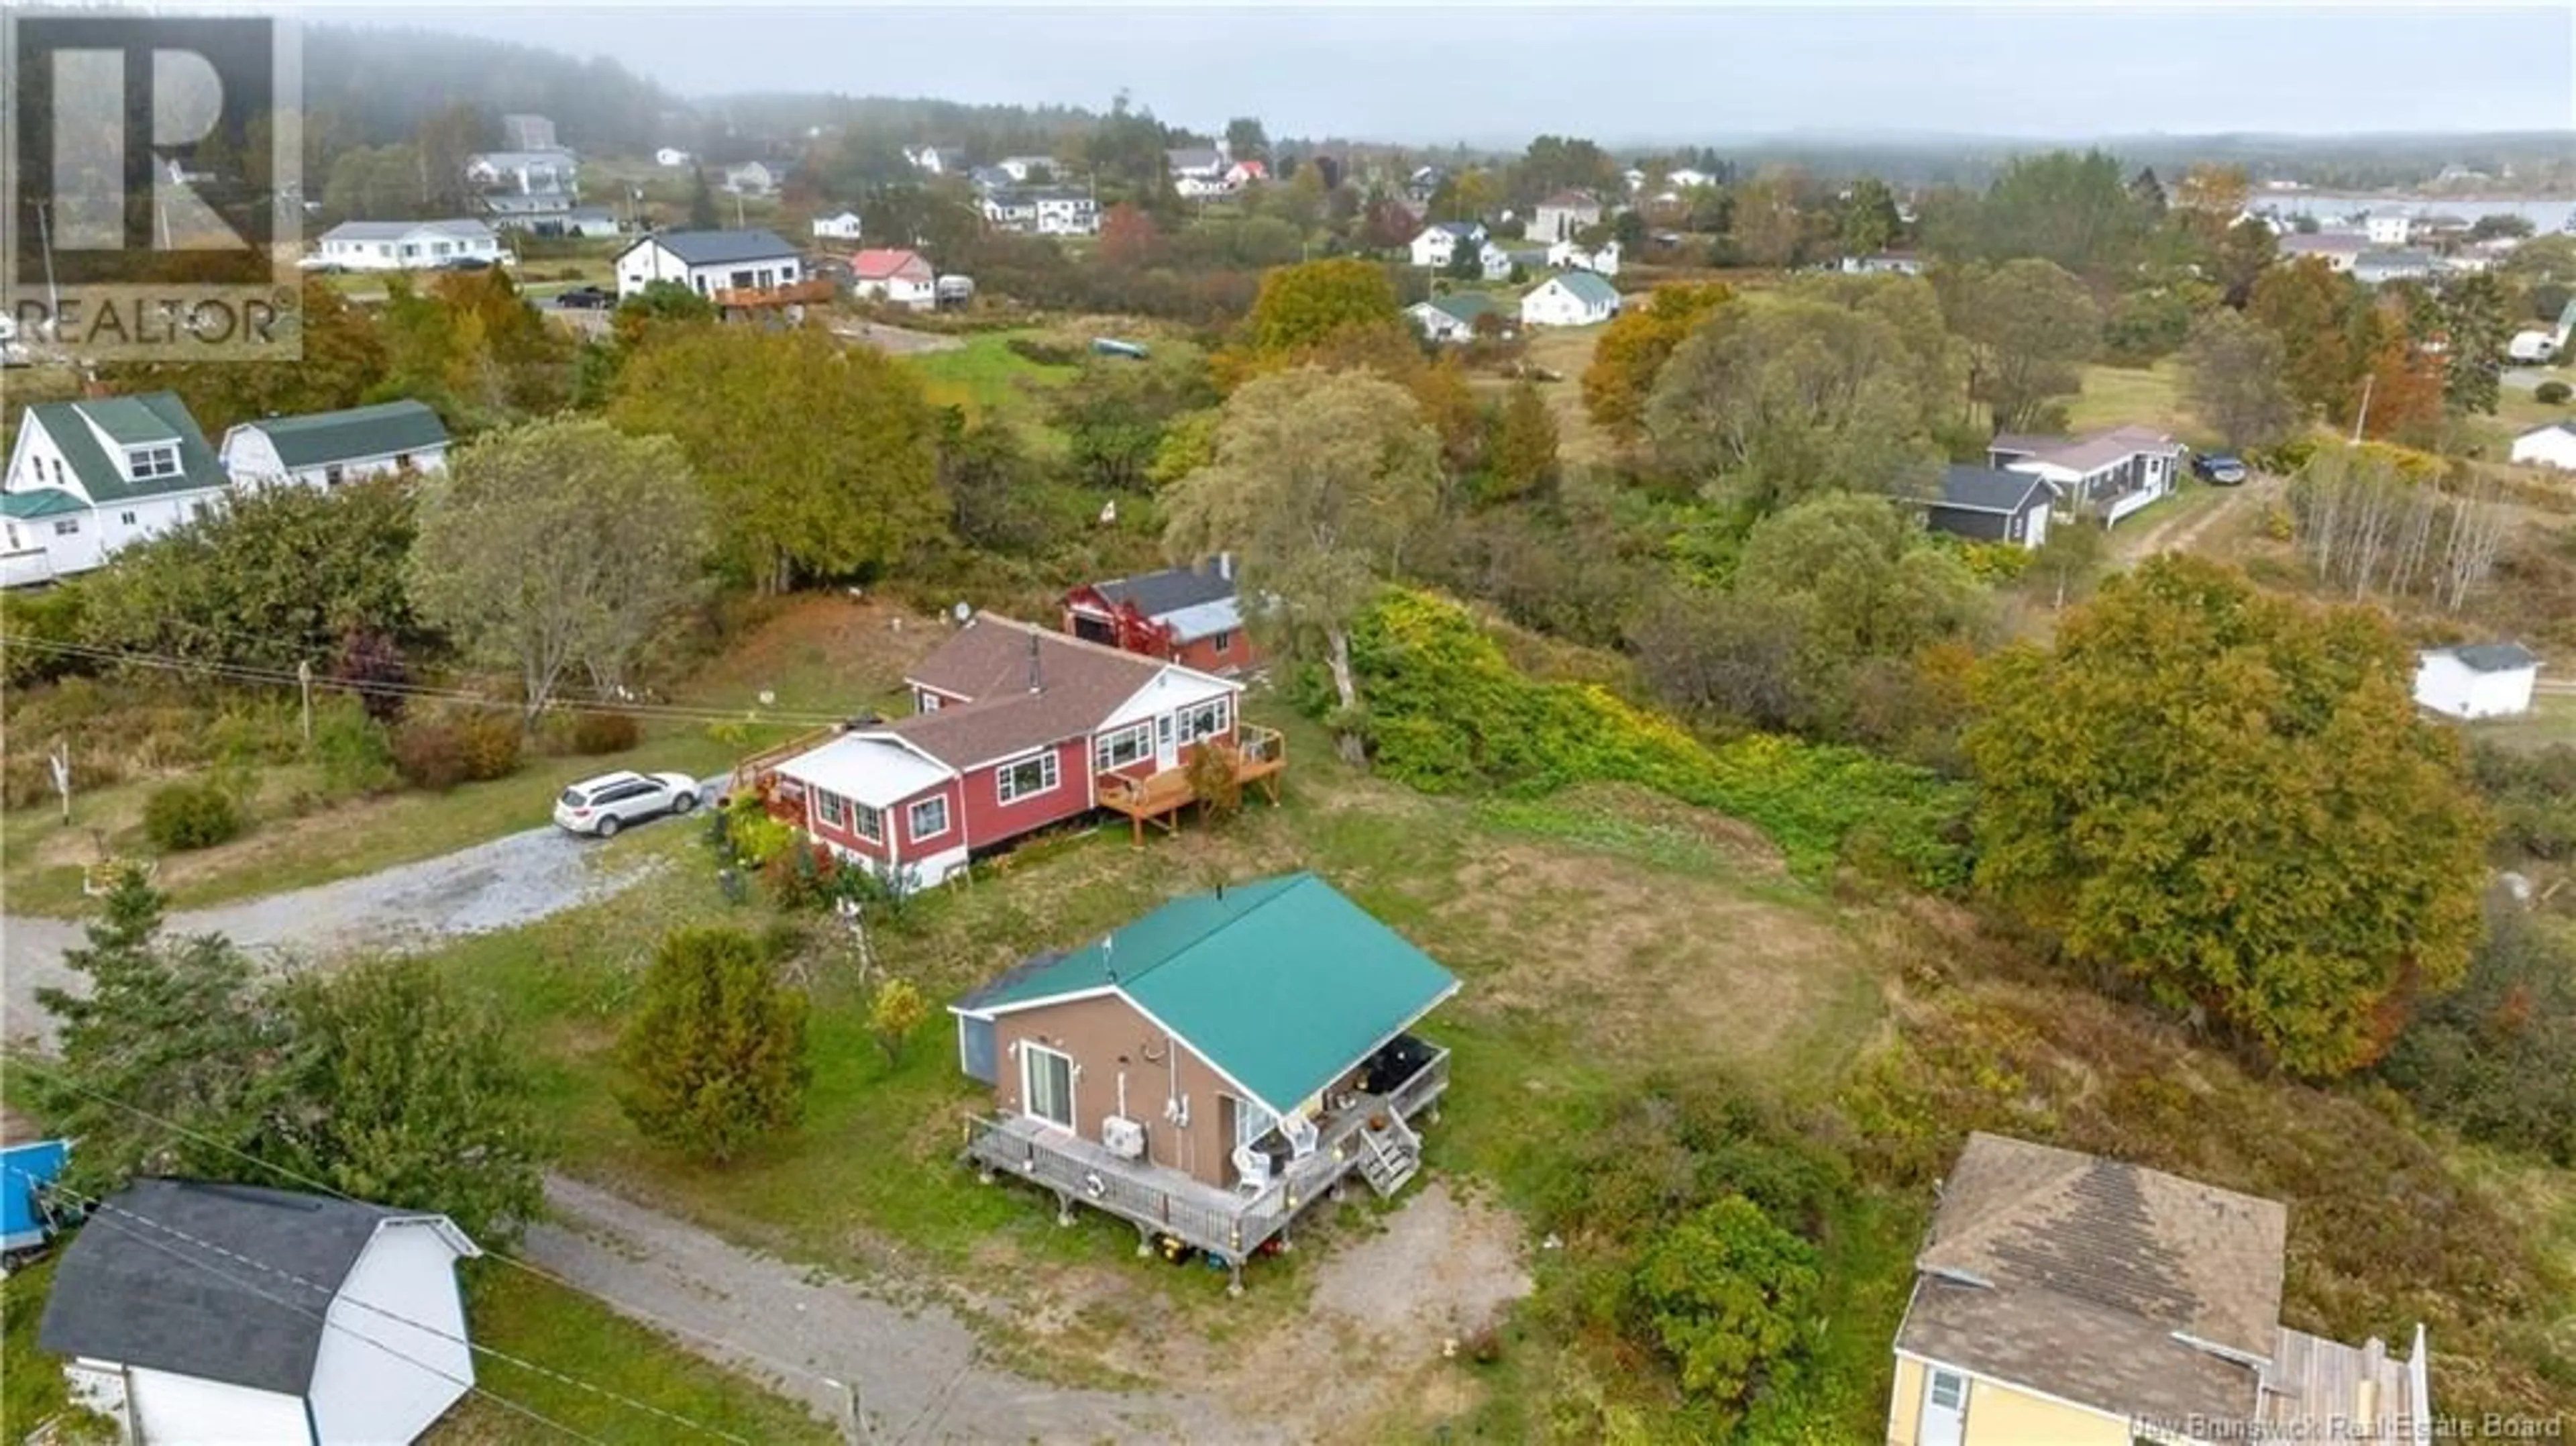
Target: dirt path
{"x":895,"y":340}
{"x":2183,"y":531}
{"x":918,"y":1372}
{"x":509,"y":881}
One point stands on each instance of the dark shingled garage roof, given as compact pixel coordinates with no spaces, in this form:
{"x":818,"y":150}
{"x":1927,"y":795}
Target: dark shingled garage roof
{"x":1157,"y":593}
{"x":1989,"y":489}
{"x":191,"y":1278}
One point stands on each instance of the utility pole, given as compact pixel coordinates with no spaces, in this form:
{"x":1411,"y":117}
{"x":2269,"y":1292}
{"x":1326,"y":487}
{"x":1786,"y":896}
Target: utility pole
{"x":61,"y":761}
{"x":304,"y":683}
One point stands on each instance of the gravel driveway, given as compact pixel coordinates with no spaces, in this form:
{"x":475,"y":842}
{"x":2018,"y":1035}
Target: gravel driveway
{"x":509,"y":881}
{"x":916,"y":1369}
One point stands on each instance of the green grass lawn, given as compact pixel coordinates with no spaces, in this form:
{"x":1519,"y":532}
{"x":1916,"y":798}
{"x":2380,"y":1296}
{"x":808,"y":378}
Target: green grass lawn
{"x":535,"y":1320}
{"x":991,"y":381}
{"x":2552,"y":720}
{"x":2148,"y":397}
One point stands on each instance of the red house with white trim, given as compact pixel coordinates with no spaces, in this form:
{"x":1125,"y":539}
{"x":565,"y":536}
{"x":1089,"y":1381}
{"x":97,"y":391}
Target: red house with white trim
{"x":1185,"y":615}
{"x":1017,"y":728}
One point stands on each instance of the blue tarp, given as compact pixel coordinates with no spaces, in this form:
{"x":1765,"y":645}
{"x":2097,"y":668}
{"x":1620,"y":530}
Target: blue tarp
{"x":23,"y":1168}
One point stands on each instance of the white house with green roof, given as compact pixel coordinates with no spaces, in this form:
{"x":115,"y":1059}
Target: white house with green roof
{"x":87,"y":478}
{"x":1211,"y":1070}
{"x":1576,"y":298}
{"x":1453,"y":317}
{"x":325,"y":449}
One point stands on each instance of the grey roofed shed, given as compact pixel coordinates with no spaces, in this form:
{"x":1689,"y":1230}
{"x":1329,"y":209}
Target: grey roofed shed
{"x":202,"y":1279}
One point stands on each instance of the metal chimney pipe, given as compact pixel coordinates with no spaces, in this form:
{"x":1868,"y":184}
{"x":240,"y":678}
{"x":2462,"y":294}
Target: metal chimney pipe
{"x":1036,"y":680}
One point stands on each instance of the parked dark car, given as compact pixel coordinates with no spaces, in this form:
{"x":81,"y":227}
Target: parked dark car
{"x":585,"y":298}
{"x":2219,"y":469}
{"x":469,"y":263}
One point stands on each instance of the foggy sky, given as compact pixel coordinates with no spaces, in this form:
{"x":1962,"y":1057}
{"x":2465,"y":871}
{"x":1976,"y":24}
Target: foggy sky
{"x":1439,"y":74}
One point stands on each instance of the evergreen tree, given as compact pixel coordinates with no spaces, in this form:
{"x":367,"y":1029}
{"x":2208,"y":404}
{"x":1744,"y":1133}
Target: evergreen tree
{"x":716,"y":1060}
{"x":702,"y":201}
{"x":164,"y":1065}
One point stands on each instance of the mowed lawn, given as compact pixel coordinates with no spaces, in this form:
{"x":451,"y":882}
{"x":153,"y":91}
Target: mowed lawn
{"x":993,"y":382}
{"x":2551,"y":721}
{"x":2134,"y":396}
{"x":1564,"y":352}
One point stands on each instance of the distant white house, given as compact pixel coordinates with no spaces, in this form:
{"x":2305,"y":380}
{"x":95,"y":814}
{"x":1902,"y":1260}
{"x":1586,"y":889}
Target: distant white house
{"x":1043,"y":210}
{"x":1577,"y":298}
{"x":1452,"y":318}
{"x":552,"y":171}
{"x":1568,"y":256}
{"x":407,"y":245}
{"x":671,"y":156}
{"x":2389,"y":230}
{"x":2337,"y":249}
{"x":89,"y":478}
{"x":751,"y":178}
{"x":1438,"y":243}
{"x":2551,"y":446}
{"x":840,"y":226}
{"x":327,"y":449}
{"x":904,"y":278}
{"x":1883,"y":263}
{"x":935,"y":160}
{"x":1495,"y":261}
{"x":1561,"y":216}
{"x":1021,"y":168}
{"x":709,"y":261}
{"x":189,"y":1311}
{"x":2487,"y":680}
{"x":590,"y":221}
{"x":2377,"y":268}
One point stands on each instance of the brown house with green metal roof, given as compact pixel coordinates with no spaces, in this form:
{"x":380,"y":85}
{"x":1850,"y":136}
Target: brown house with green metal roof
{"x":90,"y":477}
{"x":1209,"y":1071}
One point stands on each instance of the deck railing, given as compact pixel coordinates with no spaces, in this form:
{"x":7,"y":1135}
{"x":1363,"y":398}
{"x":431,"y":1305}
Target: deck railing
{"x":1201,"y":1214}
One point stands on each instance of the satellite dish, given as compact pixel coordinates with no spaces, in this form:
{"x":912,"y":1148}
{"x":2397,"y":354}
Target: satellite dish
{"x":961,"y":612}
{"x":768,"y":698}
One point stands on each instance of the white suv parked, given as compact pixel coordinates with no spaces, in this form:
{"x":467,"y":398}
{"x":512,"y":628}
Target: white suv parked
{"x":605,"y":804}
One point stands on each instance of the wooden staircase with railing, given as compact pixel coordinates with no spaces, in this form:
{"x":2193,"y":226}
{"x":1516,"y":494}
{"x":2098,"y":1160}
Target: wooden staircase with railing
{"x":1390,"y":1157}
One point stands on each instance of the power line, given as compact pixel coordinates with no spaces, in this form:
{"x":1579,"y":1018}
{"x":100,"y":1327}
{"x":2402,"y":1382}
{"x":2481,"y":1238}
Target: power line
{"x":276,"y":677}
{"x":490,"y":1253}
{"x":103,"y":1209}
{"x":110,"y":1215}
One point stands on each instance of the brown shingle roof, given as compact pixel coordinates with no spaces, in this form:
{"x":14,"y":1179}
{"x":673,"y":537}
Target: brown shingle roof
{"x":2073,"y":1275}
{"x":993,"y":662}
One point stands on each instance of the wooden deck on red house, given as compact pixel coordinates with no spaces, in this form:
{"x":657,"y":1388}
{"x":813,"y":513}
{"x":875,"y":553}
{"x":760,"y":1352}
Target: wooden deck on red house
{"x":1259,"y":756}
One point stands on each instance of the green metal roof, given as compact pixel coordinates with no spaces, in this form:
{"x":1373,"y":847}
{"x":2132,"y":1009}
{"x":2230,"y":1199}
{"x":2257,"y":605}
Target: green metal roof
{"x":1282,"y":984}
{"x":384,"y":430}
{"x":128,"y":421}
{"x":1588,"y":288}
{"x":1464,"y":306}
{"x":39,"y":502}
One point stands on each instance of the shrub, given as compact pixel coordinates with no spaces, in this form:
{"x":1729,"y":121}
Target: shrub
{"x":1044,"y":353}
{"x":2496,"y":1058}
{"x":716,"y":1059}
{"x":2550,"y":393}
{"x":1448,"y":713}
{"x":490,"y":743}
{"x":597,"y":733}
{"x":430,"y":753}
{"x":1729,"y":1295}
{"x":191,"y":815}
{"x":355,"y":755}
